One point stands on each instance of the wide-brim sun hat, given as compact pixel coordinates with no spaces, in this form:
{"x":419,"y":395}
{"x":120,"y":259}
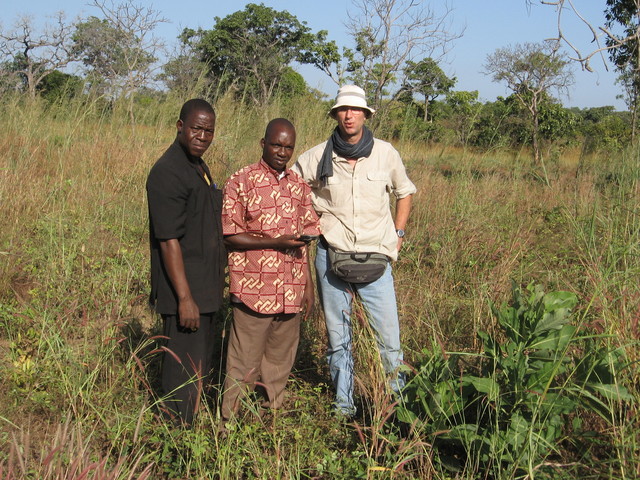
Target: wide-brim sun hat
{"x":351,"y":96}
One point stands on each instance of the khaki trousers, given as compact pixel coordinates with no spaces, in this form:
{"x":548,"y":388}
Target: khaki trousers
{"x":261,"y":346}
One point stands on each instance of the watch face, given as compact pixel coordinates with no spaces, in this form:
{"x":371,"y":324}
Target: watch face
{"x":400,"y":233}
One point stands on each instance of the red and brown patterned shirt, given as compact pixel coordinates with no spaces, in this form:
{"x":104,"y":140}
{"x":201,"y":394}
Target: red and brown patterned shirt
{"x":256,"y":199}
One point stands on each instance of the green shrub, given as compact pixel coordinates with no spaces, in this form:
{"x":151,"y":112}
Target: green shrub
{"x":506,"y":410}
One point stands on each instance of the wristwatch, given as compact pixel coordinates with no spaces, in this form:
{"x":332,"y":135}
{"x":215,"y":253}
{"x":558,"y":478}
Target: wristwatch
{"x":400,"y":233}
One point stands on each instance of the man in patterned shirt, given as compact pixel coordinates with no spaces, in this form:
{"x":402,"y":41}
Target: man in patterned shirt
{"x":266,"y":209}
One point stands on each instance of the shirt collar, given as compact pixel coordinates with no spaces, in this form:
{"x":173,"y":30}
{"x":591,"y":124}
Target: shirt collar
{"x":191,"y":160}
{"x":278,"y":175}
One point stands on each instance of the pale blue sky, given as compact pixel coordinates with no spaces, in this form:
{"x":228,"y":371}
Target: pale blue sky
{"x":490,"y":24}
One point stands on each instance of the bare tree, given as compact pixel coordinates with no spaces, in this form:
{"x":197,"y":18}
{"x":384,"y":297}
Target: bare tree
{"x":120,"y":48}
{"x":531,"y":71}
{"x":387,"y":34}
{"x":603,"y":38}
{"x":29,"y":56}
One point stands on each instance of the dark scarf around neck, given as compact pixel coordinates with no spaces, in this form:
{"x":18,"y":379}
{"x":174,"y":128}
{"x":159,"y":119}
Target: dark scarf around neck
{"x":343,"y":149}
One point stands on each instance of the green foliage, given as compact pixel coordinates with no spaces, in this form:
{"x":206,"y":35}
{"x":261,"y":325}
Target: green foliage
{"x":427,"y":79}
{"x":249,"y":50}
{"x":386,"y":34}
{"x":101,"y":47}
{"x":292,"y":85}
{"x":461,"y":120}
{"x":606,"y":132}
{"x":13,"y":73}
{"x":509,"y":416}
{"x":498,"y":125}
{"x":623,"y":13}
{"x":531,"y":71}
{"x":186,"y":76}
{"x":59,"y":86}
{"x":365,"y":67}
{"x":557,"y":124}
{"x":409,"y":124}
{"x":463,"y":109}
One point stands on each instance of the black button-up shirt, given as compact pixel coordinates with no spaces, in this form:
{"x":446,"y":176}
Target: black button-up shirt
{"x":182,"y":205}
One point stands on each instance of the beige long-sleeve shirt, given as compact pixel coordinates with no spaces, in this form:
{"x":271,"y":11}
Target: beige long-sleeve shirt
{"x":354,"y":204}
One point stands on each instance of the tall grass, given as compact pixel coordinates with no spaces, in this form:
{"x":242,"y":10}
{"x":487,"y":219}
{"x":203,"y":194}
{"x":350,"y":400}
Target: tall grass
{"x":78,"y":376}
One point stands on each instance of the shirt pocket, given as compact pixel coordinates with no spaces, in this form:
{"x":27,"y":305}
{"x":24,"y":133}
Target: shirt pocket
{"x":336,"y":192}
{"x":377,"y":190}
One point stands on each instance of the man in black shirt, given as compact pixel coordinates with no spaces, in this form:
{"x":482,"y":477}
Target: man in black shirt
{"x":187,"y":257}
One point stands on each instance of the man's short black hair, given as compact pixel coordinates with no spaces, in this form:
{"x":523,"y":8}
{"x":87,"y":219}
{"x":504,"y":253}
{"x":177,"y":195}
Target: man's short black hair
{"x":195,"y":105}
{"x":278,"y":122}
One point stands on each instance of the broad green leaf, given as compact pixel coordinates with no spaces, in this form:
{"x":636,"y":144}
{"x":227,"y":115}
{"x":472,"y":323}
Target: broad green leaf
{"x":465,"y":433}
{"x":595,"y":403}
{"x":555,"y":341}
{"x":555,"y":300}
{"x":539,"y":378}
{"x":551,"y":403}
{"x":491,"y":347}
{"x":612,"y":391}
{"x":485,"y":385}
{"x":407,"y":416}
{"x":558,"y":306}
{"x":517,"y":432}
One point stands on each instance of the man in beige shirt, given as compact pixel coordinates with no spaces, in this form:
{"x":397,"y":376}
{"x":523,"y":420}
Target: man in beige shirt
{"x":351,"y":176}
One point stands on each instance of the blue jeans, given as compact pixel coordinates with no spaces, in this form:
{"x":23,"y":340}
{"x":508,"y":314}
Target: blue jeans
{"x":379,"y":301}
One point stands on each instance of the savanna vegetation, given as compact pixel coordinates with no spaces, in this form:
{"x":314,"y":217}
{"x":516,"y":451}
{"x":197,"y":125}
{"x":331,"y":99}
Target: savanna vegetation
{"x":519,"y":304}
{"x":518,"y":282}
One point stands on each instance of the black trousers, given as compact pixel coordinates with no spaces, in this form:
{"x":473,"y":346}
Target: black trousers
{"x":186,"y":365}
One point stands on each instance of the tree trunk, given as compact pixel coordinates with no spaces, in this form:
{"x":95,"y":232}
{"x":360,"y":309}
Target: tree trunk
{"x":634,"y":118}
{"x":31,"y":84}
{"x":426,"y":107}
{"x":537,"y":156}
{"x":536,"y":146}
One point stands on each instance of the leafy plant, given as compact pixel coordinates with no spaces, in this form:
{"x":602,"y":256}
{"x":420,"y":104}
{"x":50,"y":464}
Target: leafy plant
{"x":508,"y":412}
